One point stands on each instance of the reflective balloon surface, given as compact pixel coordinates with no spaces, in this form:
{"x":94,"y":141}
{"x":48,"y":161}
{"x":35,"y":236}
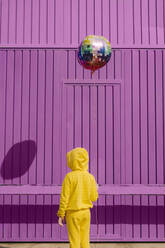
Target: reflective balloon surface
{"x":94,"y":52}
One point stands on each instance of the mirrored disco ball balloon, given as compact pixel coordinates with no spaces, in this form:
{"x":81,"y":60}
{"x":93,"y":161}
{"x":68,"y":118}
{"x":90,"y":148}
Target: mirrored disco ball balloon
{"x":94,"y":52}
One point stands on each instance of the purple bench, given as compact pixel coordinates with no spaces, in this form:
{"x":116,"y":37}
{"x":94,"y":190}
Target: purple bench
{"x":108,"y":189}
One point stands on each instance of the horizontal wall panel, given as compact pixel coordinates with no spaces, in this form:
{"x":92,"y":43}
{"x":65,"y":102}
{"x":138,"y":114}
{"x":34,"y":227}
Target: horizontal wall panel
{"x":57,"y":23}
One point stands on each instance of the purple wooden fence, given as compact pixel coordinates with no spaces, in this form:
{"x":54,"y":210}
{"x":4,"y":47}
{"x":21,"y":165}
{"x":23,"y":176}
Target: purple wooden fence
{"x":64,"y":23}
{"x":49,"y":100}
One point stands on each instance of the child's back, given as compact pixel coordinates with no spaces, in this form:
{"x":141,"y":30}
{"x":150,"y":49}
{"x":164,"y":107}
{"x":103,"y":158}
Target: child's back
{"x":79,"y":190}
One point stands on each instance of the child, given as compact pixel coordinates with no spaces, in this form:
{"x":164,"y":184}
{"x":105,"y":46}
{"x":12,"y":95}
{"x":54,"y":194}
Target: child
{"x":79,"y":190}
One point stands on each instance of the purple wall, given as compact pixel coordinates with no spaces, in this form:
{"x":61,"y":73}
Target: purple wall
{"x":120,"y":121}
{"x":49,"y":104}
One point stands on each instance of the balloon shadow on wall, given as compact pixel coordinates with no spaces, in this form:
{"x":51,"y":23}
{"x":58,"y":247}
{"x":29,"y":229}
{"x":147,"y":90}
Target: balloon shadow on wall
{"x":18,"y":159}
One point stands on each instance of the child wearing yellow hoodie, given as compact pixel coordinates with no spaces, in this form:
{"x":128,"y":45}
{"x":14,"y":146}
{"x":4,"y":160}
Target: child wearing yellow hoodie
{"x":79,"y":190}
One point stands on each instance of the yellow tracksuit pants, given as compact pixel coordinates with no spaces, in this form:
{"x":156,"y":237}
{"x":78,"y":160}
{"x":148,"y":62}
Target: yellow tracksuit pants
{"x":78,"y":226}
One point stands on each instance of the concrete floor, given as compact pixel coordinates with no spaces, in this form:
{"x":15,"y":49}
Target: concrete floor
{"x":92,"y":245}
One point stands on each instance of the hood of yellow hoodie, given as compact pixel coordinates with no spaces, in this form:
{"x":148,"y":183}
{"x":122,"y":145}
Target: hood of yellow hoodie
{"x":77,"y":159}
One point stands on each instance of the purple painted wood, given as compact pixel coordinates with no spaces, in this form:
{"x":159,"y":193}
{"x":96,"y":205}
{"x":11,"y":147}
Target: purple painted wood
{"x":107,"y":189}
{"x":56,"y":23}
{"x":123,"y":102}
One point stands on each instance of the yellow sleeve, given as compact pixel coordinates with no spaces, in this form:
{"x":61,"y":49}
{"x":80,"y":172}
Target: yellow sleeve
{"x":94,"y":193}
{"x":65,"y":194}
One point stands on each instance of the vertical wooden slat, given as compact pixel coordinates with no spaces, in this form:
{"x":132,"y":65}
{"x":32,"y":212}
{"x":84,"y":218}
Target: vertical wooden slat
{"x":159,"y":117}
{"x":144,"y":149}
{"x":19,"y":23}
{"x":17,"y":116}
{"x":137,"y":22}
{"x":116,"y":150}
{"x":30,"y":115}
{"x":70,"y":104}
{"x":59,"y":58}
{"x":47,"y":216}
{"x":77,"y":116}
{"x":152,"y":217}
{"x":143,"y":91}
{"x":65,"y":132}
{"x":98,"y":17}
{"x":123,"y":164}
{"x":120,"y":21}
{"x":4,"y":24}
{"x":128,"y":22}
{"x":9,"y":114}
{"x":7,"y":216}
{"x":27,"y":22}
{"x":63,"y":152}
{"x":35,"y":21}
{"x":151,"y":117}
{"x":163,"y":92}
{"x":109,"y":146}
{"x":113,"y":21}
{"x":84,"y":106}
{"x":31,"y":216}
{"x":1,"y":217}
{"x":160,"y":24}
{"x":59,"y":22}
{"x":136,"y":95}
{"x":90,"y":17}
{"x":40,"y":117}
{"x":117,"y":133}
{"x":48,"y":117}
{"x":128,"y":106}
{"x":15,"y":217}
{"x":23,"y":211}
{"x":67,"y":21}
{"x":3,"y":84}
{"x":136,"y":217}
{"x":152,"y":139}
{"x":145,"y":22}
{"x":129,"y":216}
{"x":135,"y":116}
{"x":160,"y":217}
{"x":74,"y":22}
{"x":109,"y":157}
{"x":39,"y":217}
{"x":42,"y":23}
{"x":55,"y":227}
{"x":128,"y":140}
{"x":101,"y":148}
{"x":110,"y":66}
{"x":152,"y":22}
{"x":82,"y":15}
{"x":105,"y":19}
{"x":51,"y":21}
{"x":25,"y":107}
{"x":93,"y":143}
{"x":144,"y":216}
{"x":118,"y":65}
{"x":12,"y":23}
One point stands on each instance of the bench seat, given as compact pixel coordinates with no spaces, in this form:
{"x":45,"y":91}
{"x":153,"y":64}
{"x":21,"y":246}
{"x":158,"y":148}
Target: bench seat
{"x":107,"y":189}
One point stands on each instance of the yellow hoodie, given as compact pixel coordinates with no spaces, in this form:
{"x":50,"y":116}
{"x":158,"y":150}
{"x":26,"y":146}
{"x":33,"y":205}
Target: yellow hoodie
{"x":79,"y":186}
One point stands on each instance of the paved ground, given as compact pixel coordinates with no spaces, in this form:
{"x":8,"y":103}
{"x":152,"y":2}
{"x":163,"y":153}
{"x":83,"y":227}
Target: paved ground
{"x":93,"y":245}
